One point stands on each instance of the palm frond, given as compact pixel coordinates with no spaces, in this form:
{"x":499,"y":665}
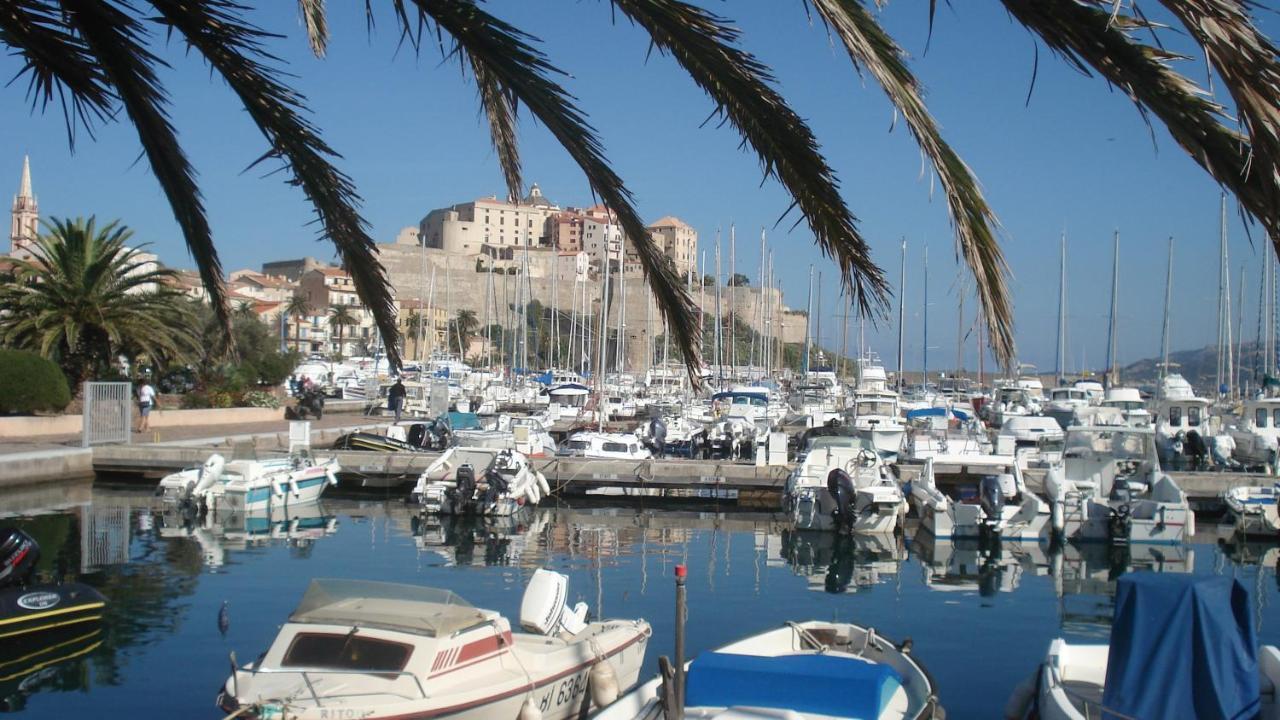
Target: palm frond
{"x":704,"y":45}
{"x":524,"y":73}
{"x":1090,"y":37}
{"x":233,"y":48}
{"x":500,"y":107}
{"x":317,"y":24}
{"x":1246,"y":60}
{"x":871,"y":47}
{"x":58,"y":62}
{"x":115,"y":41}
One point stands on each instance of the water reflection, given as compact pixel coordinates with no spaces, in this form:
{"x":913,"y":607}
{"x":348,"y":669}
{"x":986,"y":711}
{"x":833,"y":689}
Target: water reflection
{"x":218,"y":533}
{"x":166,"y":574}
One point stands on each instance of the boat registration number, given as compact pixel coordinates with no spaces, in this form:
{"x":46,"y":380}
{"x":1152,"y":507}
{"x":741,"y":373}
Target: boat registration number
{"x":565,"y":692}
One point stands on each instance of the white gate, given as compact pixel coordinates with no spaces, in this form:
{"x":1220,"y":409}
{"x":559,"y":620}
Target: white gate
{"x":107,"y":417}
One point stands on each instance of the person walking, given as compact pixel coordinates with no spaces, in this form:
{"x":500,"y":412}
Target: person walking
{"x":146,"y":401}
{"x":395,"y":398}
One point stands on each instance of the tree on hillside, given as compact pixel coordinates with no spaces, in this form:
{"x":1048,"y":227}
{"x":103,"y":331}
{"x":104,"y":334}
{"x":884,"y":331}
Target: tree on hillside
{"x":464,"y":328}
{"x":90,"y":298}
{"x":739,"y":280}
{"x":101,"y":58}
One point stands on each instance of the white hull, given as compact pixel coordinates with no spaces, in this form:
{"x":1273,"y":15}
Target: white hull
{"x":1150,"y":522}
{"x":1254,"y":510}
{"x":813,"y":509}
{"x":1027,"y":522}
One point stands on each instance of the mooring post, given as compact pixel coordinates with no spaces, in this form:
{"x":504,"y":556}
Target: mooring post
{"x":677,"y":713}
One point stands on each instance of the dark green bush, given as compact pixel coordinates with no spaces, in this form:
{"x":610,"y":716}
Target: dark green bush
{"x":30,"y":383}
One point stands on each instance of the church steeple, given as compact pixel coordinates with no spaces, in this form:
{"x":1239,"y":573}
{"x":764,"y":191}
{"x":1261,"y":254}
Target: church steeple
{"x":25,"y":216}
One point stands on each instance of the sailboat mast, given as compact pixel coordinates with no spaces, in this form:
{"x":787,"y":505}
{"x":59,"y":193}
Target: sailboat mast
{"x":732,"y":289}
{"x":1060,"y":359}
{"x":620,"y":347}
{"x":555,"y":315}
{"x":602,"y":339}
{"x":760,"y":327}
{"x":1113,"y":375}
{"x":1164,"y":334}
{"x":808,"y":324}
{"x":1226,"y":300}
{"x":817,"y":319}
{"x":902,"y":290}
{"x":925,"y":359}
{"x":719,"y":317}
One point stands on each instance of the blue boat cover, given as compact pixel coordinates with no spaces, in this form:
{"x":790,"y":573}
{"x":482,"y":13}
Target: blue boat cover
{"x":1181,"y":647}
{"x":464,"y":421}
{"x":833,"y":685}
{"x":936,"y":412}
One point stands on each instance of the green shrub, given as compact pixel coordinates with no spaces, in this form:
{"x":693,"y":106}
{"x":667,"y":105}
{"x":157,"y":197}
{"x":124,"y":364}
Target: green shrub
{"x":30,"y":383}
{"x":259,"y":399}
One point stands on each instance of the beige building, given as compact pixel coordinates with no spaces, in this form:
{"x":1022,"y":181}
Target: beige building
{"x":325,"y":288}
{"x":263,"y":287}
{"x":678,"y":240}
{"x":463,"y":229}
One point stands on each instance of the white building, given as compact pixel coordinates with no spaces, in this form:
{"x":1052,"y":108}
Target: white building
{"x":464,"y":229}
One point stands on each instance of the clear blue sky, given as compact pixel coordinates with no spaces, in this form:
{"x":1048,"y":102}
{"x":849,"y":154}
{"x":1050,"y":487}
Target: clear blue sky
{"x":1079,"y":157}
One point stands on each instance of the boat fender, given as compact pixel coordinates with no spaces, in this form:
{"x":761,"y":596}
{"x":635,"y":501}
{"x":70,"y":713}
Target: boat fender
{"x":1059,"y":517}
{"x":531,"y":493}
{"x":543,"y":487}
{"x":1020,"y":701}
{"x":603,"y":682}
{"x":293,"y":485}
{"x":277,"y":488}
{"x":529,"y":710}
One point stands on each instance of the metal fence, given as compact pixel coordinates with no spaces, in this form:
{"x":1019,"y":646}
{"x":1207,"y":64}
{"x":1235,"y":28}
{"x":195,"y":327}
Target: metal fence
{"x":108,"y":415}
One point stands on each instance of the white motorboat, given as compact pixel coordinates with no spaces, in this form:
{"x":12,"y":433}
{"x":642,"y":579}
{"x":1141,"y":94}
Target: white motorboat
{"x":1130,"y":404}
{"x":356,"y":649}
{"x":251,"y":485}
{"x":842,"y":483}
{"x":1063,"y":403}
{"x":1253,"y":509}
{"x":1181,"y":646}
{"x":968,"y":566}
{"x":978,"y":496}
{"x":933,"y":431}
{"x":479,"y":481}
{"x":1178,"y":412}
{"x":876,"y":415}
{"x":1109,"y":486}
{"x":773,"y":675}
{"x":1256,"y":432}
{"x":622,"y":446}
{"x":1026,"y":432}
{"x":570,"y":402}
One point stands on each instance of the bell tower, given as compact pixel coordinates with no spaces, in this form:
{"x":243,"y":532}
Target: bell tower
{"x":25,"y":217}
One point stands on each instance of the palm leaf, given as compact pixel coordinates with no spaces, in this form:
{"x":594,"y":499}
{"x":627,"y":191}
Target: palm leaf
{"x":500,"y":108}
{"x":1246,"y":60}
{"x":703,"y":44}
{"x":524,"y":73}
{"x":114,"y":39}
{"x":1090,"y":37}
{"x":871,"y":47}
{"x":317,"y":24}
{"x":232,"y":47}
{"x":58,"y":62}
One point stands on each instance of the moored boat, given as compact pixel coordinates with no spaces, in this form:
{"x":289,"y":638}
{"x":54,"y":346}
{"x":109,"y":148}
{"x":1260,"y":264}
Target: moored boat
{"x":478,"y":481}
{"x":811,"y":669}
{"x":1253,"y":509}
{"x":251,"y":485}
{"x":382,"y":650}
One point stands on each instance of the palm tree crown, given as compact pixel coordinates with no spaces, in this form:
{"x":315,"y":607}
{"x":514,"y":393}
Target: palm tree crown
{"x":98,"y":56}
{"x":340,"y":317}
{"x":86,"y":298}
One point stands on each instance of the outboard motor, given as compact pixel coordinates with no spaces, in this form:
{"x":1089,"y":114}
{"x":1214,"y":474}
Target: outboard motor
{"x":843,"y":494}
{"x":543,"y":609}
{"x":991,"y":498}
{"x":465,"y":489}
{"x":19,"y":553}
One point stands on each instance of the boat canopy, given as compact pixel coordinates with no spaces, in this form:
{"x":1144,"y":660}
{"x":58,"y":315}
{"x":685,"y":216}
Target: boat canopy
{"x":1182,"y":646}
{"x":464,"y":421}
{"x":569,"y":389}
{"x":937,"y":412}
{"x":365,"y":603}
{"x":801,"y":683}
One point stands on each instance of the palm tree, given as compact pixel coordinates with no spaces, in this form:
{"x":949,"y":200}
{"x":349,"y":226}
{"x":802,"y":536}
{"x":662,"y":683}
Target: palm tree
{"x":413,"y":322}
{"x":464,"y":328}
{"x":297,"y":308}
{"x":86,"y":298}
{"x":340,"y":317}
{"x":98,"y":57}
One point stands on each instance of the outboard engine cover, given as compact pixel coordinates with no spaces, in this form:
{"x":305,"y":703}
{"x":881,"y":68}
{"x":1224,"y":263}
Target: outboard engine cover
{"x":543,"y":610}
{"x":466,"y":485}
{"x":1120,"y":523}
{"x":18,"y":555}
{"x":991,"y":497}
{"x":843,"y":494}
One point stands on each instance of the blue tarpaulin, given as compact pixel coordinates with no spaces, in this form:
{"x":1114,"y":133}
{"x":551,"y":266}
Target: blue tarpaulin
{"x":833,"y":685}
{"x":937,"y":412}
{"x":1181,"y":647}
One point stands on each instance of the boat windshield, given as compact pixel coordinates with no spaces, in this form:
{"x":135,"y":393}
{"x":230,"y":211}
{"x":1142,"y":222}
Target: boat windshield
{"x":1117,"y":443}
{"x":350,"y":651}
{"x":876,"y":407}
{"x":577,"y":445}
{"x":362,"y":603}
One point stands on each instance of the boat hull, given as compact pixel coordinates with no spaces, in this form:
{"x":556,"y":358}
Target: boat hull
{"x":1254,"y":510}
{"x":35,"y":609}
{"x":813,"y":508}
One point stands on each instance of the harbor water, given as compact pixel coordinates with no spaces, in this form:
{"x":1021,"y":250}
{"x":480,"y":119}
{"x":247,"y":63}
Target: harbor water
{"x":979,"y":621}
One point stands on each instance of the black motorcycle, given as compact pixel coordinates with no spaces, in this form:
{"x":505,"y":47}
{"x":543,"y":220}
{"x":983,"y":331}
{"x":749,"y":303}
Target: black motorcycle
{"x":309,"y":403}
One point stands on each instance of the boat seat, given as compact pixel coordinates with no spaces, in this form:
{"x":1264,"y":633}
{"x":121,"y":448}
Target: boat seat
{"x":789,"y":682}
{"x":247,"y":469}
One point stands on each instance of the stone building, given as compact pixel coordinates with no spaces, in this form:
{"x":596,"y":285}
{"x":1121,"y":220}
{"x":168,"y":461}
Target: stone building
{"x":465,"y":228}
{"x":678,"y":241}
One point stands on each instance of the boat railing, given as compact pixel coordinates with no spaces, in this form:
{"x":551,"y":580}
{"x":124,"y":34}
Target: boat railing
{"x":316,"y":697}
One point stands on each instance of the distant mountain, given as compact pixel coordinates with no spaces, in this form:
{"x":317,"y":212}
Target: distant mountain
{"x":1199,"y":367}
